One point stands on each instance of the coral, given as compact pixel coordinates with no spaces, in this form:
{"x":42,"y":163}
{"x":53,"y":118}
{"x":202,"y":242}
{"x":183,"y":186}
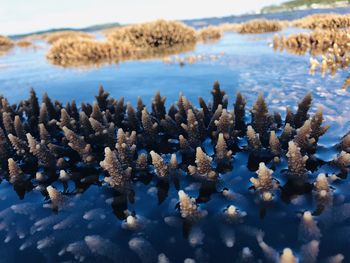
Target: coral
{"x":222,"y":154}
{"x":188,"y":207}
{"x":218,"y":96}
{"x":225,"y":125}
{"x":158,"y":34}
{"x":159,"y":164}
{"x":19,"y":145}
{"x":118,"y":177}
{"x":150,"y":129}
{"x":192,"y":129}
{"x":15,"y":172}
{"x":323,"y":21}
{"x":57,"y":199}
{"x":288,"y":256}
{"x":342,"y":160}
{"x":260,"y":26}
{"x":308,"y":229}
{"x":260,"y":117}
{"x":8,"y":122}
{"x":254,"y":142}
{"x":78,"y":144}
{"x":158,"y":108}
{"x":41,"y":152}
{"x":18,"y":126}
{"x":4,"y":147}
{"x":344,"y":145}
{"x":317,"y":130}
{"x":5,"y":44}
{"x":275,"y":145}
{"x":303,"y":139}
{"x":209,"y":33}
{"x":239,"y":110}
{"x":286,"y":134}
{"x":265,"y":183}
{"x":232,"y":214}
{"x":309,"y":251}
{"x":296,"y":162}
{"x":82,"y":51}
{"x":203,"y":168}
{"x":53,"y":37}
{"x":302,"y":113}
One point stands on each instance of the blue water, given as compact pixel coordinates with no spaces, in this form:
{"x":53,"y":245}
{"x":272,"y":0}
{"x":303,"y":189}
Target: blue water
{"x":245,"y":63}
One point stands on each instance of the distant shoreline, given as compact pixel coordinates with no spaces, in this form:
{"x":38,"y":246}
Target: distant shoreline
{"x":284,"y":8}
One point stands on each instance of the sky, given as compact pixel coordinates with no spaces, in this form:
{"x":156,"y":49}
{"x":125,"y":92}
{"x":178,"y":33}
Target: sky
{"x":24,"y":16}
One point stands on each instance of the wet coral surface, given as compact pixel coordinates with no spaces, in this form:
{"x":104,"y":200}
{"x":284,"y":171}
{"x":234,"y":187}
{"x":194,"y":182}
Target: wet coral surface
{"x":258,"y":190}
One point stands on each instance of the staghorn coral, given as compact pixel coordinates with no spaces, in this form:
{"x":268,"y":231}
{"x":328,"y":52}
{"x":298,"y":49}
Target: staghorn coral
{"x":254,"y":142}
{"x":239,"y":110}
{"x":308,"y":229}
{"x":275,"y":145}
{"x":41,"y":152}
{"x":46,"y":234}
{"x":218,"y":96}
{"x":118,"y":177}
{"x":161,"y":167}
{"x":265,"y":183}
{"x":19,"y":145}
{"x":225,"y":125}
{"x":344,"y":144}
{"x":317,"y":130}
{"x":78,"y":144}
{"x":150,"y":129}
{"x":296,"y":162}
{"x":342,"y":161}
{"x":192,"y":129}
{"x":57,"y":199}
{"x":260,"y":117}
{"x":302,"y":113}
{"x":188,"y":207}
{"x":322,"y":191}
{"x":288,"y":256}
{"x":222,"y":154}
{"x":4,"y":147}
{"x":203,"y":168}
{"x":303,"y":137}
{"x":15,"y":172}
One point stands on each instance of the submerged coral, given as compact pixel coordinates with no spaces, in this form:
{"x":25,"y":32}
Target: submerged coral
{"x":136,"y":155}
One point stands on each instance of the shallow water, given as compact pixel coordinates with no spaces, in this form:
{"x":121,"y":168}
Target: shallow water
{"x":244,"y":63}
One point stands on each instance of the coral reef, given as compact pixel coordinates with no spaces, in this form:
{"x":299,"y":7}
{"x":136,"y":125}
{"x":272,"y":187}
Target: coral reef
{"x":127,"y":156}
{"x":158,"y":34}
{"x":52,"y":37}
{"x":323,"y":21}
{"x":5,"y":44}
{"x":210,"y":33}
{"x":260,"y":26}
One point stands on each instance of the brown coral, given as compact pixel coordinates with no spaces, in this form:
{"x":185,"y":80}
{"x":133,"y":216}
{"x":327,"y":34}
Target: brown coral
{"x":203,"y":168}
{"x":118,"y":177}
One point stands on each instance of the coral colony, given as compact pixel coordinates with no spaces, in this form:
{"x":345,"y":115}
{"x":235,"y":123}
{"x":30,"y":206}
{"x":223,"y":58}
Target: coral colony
{"x":114,"y":145}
